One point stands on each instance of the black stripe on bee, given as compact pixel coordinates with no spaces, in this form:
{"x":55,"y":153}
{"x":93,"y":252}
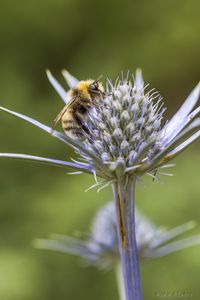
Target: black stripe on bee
{"x":82,"y":109}
{"x":85,"y":129}
{"x":71,"y":128}
{"x":77,"y":118}
{"x":76,"y":132}
{"x":67,"y":121}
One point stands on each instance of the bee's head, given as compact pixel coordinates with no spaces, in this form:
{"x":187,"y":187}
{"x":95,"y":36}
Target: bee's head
{"x":96,"y":89}
{"x":90,"y":88}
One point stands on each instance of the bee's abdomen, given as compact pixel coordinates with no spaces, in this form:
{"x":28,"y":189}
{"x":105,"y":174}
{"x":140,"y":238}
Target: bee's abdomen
{"x":72,"y":129}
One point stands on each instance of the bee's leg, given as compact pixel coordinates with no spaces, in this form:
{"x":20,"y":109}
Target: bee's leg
{"x":154,"y":175}
{"x":78,"y":134}
{"x":88,"y":133}
{"x":85,"y":129}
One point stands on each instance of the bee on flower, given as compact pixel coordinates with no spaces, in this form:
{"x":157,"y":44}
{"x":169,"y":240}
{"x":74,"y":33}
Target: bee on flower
{"x":118,"y":141}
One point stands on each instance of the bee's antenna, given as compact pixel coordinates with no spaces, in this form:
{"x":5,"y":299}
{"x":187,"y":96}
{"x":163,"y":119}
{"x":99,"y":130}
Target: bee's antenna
{"x":98,"y":79}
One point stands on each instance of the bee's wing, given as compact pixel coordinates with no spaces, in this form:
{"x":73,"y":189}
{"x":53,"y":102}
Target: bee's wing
{"x":61,"y":113}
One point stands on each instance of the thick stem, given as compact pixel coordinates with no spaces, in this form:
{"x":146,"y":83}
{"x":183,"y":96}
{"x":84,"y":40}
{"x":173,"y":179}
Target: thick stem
{"x":123,"y":192}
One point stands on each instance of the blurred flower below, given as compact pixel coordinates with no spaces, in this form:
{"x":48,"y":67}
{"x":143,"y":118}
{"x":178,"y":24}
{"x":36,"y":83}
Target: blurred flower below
{"x":100,"y":246}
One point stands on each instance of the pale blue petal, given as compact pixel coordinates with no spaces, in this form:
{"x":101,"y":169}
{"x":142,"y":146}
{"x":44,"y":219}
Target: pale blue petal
{"x":168,"y":137}
{"x":185,"y":109}
{"x":174,"y":246}
{"x":177,"y":140}
{"x":184,"y":145}
{"x":172,"y":233}
{"x":193,"y":126}
{"x":71,"y":80}
{"x":57,"y":86}
{"x":72,"y":246}
{"x":55,"y":133}
{"x":48,"y":161}
{"x":64,"y":138}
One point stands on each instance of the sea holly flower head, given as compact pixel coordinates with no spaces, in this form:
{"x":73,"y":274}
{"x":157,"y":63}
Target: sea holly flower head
{"x":127,"y":127}
{"x":126,"y":131}
{"x":125,"y":139}
{"x":100,"y":246}
{"x":127,"y":134}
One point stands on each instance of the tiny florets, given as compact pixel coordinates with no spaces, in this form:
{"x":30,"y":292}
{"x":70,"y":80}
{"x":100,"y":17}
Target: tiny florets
{"x":128,"y":121}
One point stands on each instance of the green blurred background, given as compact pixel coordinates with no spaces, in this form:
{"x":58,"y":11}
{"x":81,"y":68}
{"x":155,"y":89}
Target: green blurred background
{"x":89,"y":38}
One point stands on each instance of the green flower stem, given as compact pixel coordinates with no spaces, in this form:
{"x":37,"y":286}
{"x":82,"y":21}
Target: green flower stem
{"x":120,"y":282}
{"x":123,"y":191}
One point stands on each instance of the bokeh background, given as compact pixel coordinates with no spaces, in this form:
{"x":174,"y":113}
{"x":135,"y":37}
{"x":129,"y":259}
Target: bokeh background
{"x":89,"y":38}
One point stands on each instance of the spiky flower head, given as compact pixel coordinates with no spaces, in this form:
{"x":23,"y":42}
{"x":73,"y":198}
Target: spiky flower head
{"x":127,"y":127}
{"x":100,"y":247}
{"x":126,"y":133}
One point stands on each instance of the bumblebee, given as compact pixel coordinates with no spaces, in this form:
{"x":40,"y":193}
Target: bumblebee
{"x":82,"y":98}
